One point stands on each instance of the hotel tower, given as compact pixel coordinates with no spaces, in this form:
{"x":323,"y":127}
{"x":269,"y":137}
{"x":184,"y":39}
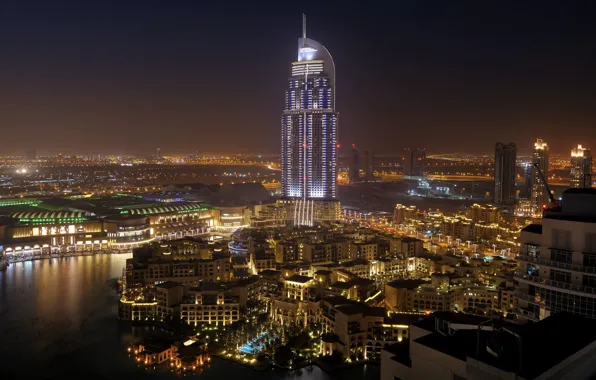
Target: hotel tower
{"x":309,"y":136}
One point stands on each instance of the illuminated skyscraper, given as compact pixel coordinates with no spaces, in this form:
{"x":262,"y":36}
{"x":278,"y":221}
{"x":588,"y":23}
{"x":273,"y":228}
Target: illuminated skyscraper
{"x":539,"y":195}
{"x":505,"y":156}
{"x":309,"y":133}
{"x":581,"y":167}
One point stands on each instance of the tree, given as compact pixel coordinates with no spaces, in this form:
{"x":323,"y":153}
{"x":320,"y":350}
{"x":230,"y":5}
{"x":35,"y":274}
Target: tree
{"x":283,"y":355}
{"x":301,"y":340}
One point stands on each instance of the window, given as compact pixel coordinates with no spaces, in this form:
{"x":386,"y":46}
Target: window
{"x":589,"y":281}
{"x":533,"y":250}
{"x":557,"y":275}
{"x":590,"y":260}
{"x":561,"y":239}
{"x":560,"y":256}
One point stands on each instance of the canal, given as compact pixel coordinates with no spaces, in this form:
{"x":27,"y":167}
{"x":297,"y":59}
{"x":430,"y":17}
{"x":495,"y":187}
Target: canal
{"x":58,"y":318}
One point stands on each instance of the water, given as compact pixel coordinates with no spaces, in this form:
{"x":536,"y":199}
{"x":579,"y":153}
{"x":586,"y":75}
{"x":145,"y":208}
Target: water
{"x":58,"y":318}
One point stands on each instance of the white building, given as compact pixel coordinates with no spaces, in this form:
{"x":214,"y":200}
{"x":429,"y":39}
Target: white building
{"x":557,"y":260}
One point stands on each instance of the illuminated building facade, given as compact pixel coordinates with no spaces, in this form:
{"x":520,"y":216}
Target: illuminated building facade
{"x":505,"y":156}
{"x":581,"y":167}
{"x":46,"y":232}
{"x":539,"y":194}
{"x":210,"y":306}
{"x":97,"y":225}
{"x":309,"y":132}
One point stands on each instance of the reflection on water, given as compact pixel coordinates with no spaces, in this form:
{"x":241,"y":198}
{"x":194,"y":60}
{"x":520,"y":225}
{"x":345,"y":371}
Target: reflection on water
{"x":58,"y":317}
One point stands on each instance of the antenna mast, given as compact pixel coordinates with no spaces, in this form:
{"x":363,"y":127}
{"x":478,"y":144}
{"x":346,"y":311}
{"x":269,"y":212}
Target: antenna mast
{"x":304,"y":25}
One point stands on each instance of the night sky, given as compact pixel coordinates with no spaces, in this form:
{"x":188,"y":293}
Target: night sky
{"x":209,"y":76}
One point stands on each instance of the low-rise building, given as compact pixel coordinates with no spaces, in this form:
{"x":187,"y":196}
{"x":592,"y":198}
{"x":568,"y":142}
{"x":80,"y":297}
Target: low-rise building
{"x":210,"y":305}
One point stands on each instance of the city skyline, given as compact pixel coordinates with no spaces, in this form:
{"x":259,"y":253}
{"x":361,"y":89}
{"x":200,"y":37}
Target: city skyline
{"x":181,"y":194}
{"x":142,"y":80}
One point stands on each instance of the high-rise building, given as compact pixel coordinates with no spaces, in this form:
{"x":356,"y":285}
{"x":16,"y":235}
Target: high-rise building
{"x":539,"y":194}
{"x":354,"y":169}
{"x":505,"y":156}
{"x":581,"y":167}
{"x":309,"y":134}
{"x":414,"y":161}
{"x":368,"y":165}
{"x":557,"y":260}
{"x":526,"y":190}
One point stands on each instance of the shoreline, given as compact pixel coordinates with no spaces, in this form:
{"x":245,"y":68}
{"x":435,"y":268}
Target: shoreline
{"x":61,"y":256}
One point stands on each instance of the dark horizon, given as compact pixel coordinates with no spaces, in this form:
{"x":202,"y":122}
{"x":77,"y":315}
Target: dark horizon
{"x":126,"y":77}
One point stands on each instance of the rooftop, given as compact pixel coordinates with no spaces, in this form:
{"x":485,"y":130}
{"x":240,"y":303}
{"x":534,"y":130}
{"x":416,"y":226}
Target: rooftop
{"x":428,"y":323}
{"x":573,"y":190}
{"x":358,"y":281}
{"x":352,"y":309}
{"x":270,"y":273}
{"x":543,"y":344}
{"x":406,"y":284}
{"x":401,"y":352}
{"x":533,"y":228}
{"x":337,"y":301}
{"x":167,"y":285}
{"x":299,"y":279}
{"x":341,"y":285}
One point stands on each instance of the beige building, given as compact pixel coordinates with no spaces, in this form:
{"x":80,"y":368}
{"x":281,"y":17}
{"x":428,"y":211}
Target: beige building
{"x":210,"y":306}
{"x":487,"y":214}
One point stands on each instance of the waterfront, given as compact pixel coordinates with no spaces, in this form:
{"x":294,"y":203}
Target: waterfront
{"x":58,"y":317}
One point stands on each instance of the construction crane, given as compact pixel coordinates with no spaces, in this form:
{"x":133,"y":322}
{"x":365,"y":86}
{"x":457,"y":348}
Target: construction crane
{"x":554,"y":203}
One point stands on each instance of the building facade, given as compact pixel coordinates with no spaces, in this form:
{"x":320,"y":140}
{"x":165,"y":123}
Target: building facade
{"x":557,"y":262}
{"x":354,"y":167}
{"x":309,"y":132}
{"x":580,"y":171}
{"x":539,"y":194}
{"x":505,"y":156}
{"x":414,"y":161}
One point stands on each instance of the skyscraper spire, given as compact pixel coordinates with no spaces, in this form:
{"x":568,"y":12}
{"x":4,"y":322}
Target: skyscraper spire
{"x":304,"y":25}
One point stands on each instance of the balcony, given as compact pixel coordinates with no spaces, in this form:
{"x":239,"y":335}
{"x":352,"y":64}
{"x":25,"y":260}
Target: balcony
{"x":528,"y":298}
{"x":556,"y":284}
{"x":557,"y":264}
{"x":526,"y":313}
